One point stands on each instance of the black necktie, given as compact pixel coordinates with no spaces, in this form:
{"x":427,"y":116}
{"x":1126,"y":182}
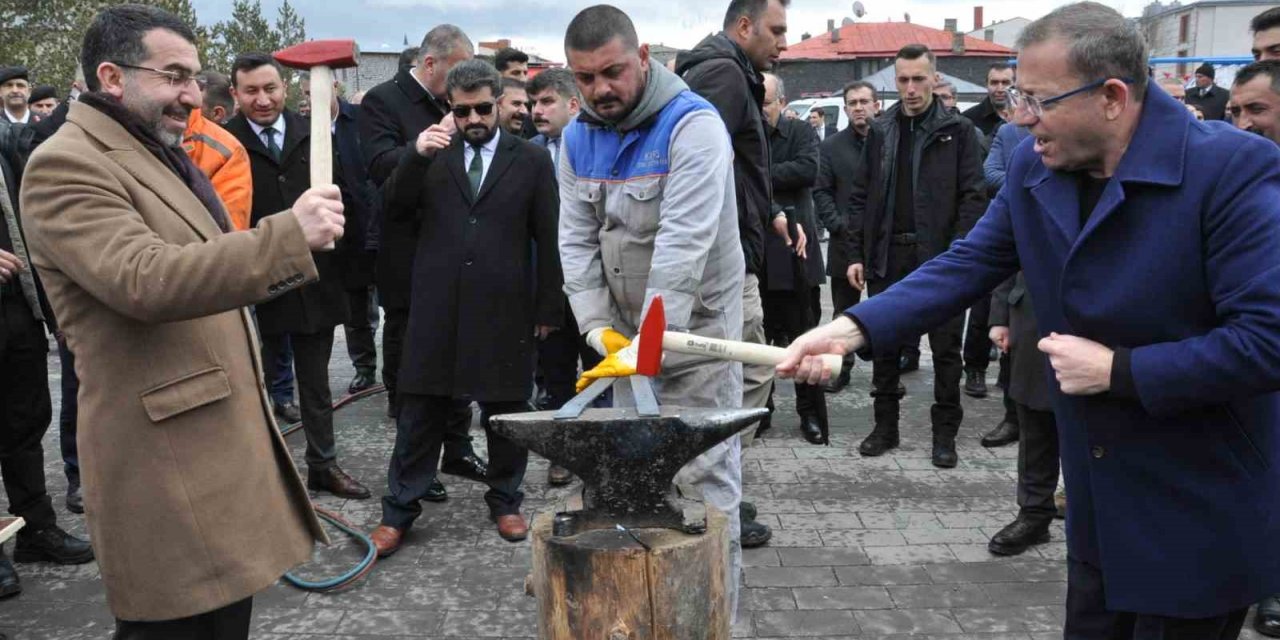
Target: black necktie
{"x":272,"y":146}
{"x":475,"y":173}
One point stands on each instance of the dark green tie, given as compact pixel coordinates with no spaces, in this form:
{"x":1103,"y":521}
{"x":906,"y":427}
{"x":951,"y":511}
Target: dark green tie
{"x":272,"y":146}
{"x":475,"y":173}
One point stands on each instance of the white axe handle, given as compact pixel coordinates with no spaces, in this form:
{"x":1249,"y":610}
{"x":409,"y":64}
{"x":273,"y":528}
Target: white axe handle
{"x":321,"y":121}
{"x":744,"y":352}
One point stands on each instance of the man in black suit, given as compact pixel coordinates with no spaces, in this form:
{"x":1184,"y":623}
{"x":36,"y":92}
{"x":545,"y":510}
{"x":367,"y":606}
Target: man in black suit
{"x":486,"y":201}
{"x":1208,"y":97}
{"x":391,"y":117}
{"x":841,"y":154}
{"x":793,"y":274}
{"x":357,"y":255}
{"x":278,"y":142}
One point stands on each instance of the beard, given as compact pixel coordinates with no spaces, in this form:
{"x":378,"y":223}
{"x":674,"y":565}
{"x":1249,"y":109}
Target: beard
{"x":479,"y":133}
{"x":153,"y":115}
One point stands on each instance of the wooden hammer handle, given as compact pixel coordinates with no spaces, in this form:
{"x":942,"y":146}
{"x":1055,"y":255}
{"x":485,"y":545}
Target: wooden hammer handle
{"x":744,"y":352}
{"x":321,"y":123}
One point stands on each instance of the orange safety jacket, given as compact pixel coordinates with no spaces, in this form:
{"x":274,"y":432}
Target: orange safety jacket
{"x":221,"y":157}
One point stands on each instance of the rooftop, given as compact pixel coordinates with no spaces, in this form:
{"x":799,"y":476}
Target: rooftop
{"x":883,"y":39}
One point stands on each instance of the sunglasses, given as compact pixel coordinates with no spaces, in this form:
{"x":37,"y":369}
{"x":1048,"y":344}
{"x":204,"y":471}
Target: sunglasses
{"x":463,"y":111}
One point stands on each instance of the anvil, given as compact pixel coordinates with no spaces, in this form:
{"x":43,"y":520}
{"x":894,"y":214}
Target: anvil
{"x":626,"y":461}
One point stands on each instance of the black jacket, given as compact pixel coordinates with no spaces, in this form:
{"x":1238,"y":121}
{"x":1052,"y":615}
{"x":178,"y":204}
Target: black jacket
{"x":950,"y":192}
{"x":474,"y":309}
{"x":1213,"y":105}
{"x":319,"y":306}
{"x":718,"y":70}
{"x":15,"y":147}
{"x":1028,"y":377}
{"x":793,"y":170}
{"x":841,"y":155}
{"x":391,"y":117}
{"x":365,"y":201}
{"x":983,"y":116}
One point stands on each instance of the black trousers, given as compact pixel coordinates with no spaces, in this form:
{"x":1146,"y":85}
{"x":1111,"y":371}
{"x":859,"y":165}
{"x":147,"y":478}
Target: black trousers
{"x":946,"y":413}
{"x":311,"y":352}
{"x":25,"y":411}
{"x":361,"y":329}
{"x":558,"y":358}
{"x":397,"y":320}
{"x":420,"y":428}
{"x":1002,"y":381}
{"x":228,"y":623}
{"x":843,"y":296}
{"x":1089,"y":619}
{"x":1037,"y":463}
{"x":67,"y":416}
{"x":977,"y":338}
{"x":787,"y":315}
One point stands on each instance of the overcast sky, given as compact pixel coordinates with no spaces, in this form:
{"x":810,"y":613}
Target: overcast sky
{"x":537,"y":26}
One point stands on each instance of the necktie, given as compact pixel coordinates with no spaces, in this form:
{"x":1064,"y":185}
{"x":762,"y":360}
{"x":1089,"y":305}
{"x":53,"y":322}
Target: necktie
{"x":272,"y":146}
{"x":475,"y":173}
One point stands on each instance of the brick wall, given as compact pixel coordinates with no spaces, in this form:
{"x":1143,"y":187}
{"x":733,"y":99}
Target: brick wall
{"x":374,"y":69}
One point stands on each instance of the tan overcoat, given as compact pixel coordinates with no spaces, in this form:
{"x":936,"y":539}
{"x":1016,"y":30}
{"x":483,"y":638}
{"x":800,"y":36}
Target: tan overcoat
{"x":193,"y":502}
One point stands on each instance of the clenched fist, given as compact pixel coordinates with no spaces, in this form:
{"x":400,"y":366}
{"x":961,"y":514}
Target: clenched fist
{"x":319,"y":212}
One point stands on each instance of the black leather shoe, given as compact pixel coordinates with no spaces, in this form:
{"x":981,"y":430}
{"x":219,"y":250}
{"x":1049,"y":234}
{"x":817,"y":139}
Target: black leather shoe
{"x":747,"y":511}
{"x":51,"y":544}
{"x":944,"y":452}
{"x":10,"y":585}
{"x":907,"y":364}
{"x":469,"y":466}
{"x":766,"y":423}
{"x":755,"y":534}
{"x":75,"y":501}
{"x":288,"y":412}
{"x":1019,"y":536}
{"x":975,"y":383}
{"x":1005,"y":433}
{"x":436,"y":492}
{"x":841,"y":381}
{"x":879,"y":442}
{"x":363,"y":380}
{"x":811,"y":430}
{"x":1267,"y":619}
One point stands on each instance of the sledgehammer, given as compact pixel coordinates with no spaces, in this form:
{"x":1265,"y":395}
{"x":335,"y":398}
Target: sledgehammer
{"x":654,"y":339}
{"x":320,"y":58}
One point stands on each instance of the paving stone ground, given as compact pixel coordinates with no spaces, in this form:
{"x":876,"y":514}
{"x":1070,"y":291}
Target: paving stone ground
{"x":866,"y":548}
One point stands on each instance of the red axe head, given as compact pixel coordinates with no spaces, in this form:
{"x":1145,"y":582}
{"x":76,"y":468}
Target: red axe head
{"x":654,"y":325}
{"x":335,"y":54}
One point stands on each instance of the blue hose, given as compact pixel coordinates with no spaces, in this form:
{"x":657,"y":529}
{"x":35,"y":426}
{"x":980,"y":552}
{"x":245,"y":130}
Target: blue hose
{"x":365,"y":566}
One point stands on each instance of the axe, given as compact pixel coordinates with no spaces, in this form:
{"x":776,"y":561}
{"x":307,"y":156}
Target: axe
{"x":654,"y":339}
{"x":320,"y":58}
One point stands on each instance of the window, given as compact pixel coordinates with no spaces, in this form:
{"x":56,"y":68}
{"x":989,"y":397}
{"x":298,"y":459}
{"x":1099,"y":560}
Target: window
{"x":1184,"y":28}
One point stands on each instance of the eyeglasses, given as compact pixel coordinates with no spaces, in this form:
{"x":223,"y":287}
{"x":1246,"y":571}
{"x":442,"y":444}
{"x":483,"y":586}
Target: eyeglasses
{"x":180,"y":78}
{"x":463,"y":111}
{"x":1036,"y":107}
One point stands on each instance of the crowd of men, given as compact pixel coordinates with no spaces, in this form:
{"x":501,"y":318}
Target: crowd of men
{"x":509,"y":229}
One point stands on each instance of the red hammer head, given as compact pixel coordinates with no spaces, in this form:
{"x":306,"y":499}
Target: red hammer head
{"x":652,"y":328}
{"x":335,"y":54}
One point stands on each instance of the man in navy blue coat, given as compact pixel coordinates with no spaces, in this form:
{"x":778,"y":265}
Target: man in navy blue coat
{"x":1151,"y":245}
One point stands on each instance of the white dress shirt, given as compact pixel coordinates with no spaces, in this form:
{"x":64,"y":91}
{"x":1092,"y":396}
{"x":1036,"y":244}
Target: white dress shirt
{"x":278,"y":125}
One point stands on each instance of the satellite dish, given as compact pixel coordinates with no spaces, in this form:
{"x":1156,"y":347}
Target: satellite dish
{"x":859,"y":10}
{"x":846,"y":22}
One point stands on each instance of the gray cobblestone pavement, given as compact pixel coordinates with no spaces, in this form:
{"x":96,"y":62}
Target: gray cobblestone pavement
{"x":863,"y":548}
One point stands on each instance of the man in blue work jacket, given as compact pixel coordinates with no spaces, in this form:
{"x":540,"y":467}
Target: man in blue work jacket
{"x":1151,"y":245}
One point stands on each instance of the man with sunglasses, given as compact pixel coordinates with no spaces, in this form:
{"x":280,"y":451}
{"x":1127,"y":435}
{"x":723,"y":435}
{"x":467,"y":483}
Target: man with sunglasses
{"x":486,"y":204}
{"x":1148,"y":241}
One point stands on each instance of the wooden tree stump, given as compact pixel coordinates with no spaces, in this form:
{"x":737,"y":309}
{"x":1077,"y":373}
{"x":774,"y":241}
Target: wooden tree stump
{"x":603,"y":585}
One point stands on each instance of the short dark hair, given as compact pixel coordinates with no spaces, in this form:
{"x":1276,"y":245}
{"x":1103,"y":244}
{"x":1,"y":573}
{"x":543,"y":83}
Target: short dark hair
{"x":817,"y":111}
{"x":749,"y":8}
{"x":408,"y":58}
{"x":512,"y":83}
{"x":1268,"y":19}
{"x":116,"y":34}
{"x":247,"y":62}
{"x":915,"y":52}
{"x":594,"y":27}
{"x":217,"y":90}
{"x":998,"y":66}
{"x":473,"y":75}
{"x":1101,"y":43}
{"x":505,"y":56}
{"x":859,"y":84}
{"x":559,"y":80}
{"x":1269,"y":68}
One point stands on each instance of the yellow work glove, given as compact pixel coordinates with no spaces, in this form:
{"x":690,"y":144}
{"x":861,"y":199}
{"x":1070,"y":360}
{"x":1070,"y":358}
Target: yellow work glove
{"x":619,"y":364}
{"x":606,"y":341}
